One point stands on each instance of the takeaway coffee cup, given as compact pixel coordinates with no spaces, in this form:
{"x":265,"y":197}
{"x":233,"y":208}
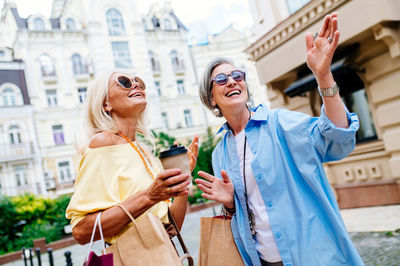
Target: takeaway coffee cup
{"x":176,"y":157}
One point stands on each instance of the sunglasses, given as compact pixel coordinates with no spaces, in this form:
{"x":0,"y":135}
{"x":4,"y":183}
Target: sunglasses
{"x":126,"y":82}
{"x":222,"y":78}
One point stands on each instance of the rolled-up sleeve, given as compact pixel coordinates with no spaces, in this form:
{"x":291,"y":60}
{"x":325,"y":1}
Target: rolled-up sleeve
{"x":334,"y":143}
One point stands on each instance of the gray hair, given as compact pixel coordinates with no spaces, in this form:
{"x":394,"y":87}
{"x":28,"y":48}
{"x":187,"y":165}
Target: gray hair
{"x":205,"y":91}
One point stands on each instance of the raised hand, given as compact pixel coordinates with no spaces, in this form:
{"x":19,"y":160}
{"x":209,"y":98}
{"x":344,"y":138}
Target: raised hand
{"x":217,"y":189}
{"x":193,"y":152}
{"x":320,"y":51}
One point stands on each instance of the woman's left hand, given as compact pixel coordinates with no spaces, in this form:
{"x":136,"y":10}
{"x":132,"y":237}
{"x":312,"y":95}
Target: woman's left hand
{"x":193,"y":152}
{"x":320,"y":51}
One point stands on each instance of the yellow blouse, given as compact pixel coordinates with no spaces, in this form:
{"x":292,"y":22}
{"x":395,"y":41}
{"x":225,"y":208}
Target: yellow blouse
{"x":108,"y":176}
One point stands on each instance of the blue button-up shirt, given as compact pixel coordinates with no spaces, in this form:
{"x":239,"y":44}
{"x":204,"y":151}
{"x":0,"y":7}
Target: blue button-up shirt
{"x":289,"y":149}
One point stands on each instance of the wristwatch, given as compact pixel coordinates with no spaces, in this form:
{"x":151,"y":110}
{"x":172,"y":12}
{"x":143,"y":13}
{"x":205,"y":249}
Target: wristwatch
{"x":329,"y":92}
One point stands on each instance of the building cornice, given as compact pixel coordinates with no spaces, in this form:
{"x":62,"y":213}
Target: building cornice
{"x":292,"y":26}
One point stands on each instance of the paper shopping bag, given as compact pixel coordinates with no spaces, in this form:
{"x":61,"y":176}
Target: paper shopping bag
{"x":145,"y":243}
{"x":217,"y":246}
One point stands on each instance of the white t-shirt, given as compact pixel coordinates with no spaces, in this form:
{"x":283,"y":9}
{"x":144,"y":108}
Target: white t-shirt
{"x":265,"y":242}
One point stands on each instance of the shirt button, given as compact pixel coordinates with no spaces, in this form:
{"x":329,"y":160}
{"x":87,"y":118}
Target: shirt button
{"x":270,"y":203}
{"x":259,"y":176}
{"x":278,"y":235}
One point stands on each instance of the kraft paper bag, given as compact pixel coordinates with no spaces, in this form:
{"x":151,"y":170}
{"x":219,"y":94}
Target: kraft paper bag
{"x":145,"y":243}
{"x":217,"y":246}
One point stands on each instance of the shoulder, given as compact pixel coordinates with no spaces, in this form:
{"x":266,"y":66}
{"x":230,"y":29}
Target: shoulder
{"x":103,"y":139}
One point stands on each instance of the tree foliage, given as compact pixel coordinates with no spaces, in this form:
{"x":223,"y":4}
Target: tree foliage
{"x":28,"y":217}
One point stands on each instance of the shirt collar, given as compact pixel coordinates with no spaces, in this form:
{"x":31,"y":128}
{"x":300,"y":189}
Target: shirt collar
{"x":260,"y":113}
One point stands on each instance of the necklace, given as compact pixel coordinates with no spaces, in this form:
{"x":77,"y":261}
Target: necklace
{"x":141,"y":153}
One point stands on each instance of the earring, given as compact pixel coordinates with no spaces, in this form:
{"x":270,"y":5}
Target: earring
{"x":216,"y":111}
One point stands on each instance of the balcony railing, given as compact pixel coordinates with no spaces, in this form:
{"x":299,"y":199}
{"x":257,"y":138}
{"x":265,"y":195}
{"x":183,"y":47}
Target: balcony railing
{"x":178,"y":66}
{"x":9,"y":152}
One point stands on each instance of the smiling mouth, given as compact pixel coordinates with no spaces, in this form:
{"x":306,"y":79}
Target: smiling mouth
{"x":136,"y":94}
{"x":233,"y":92}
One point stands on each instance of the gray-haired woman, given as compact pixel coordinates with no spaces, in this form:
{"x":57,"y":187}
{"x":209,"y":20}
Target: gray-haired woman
{"x":268,"y":166}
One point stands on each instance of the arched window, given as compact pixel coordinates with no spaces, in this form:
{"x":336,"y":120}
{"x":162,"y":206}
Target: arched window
{"x":38,"y":24}
{"x":47,"y":65}
{"x":15,"y":134}
{"x":167,"y":24}
{"x":70,"y":24}
{"x":9,"y":97}
{"x":115,"y":22}
{"x":155,"y":64}
{"x":177,"y":63}
{"x":77,"y":64}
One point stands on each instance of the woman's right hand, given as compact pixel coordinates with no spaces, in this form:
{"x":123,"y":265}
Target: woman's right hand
{"x":169,"y":183}
{"x":217,"y":189}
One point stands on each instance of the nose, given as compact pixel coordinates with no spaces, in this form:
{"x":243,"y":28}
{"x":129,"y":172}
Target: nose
{"x":231,"y":81}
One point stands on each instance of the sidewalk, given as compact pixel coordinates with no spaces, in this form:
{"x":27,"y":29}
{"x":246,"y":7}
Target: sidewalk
{"x":367,"y":227}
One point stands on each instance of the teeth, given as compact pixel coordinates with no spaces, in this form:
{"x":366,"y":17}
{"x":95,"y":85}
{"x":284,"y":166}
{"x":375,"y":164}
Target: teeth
{"x":235,"y":92}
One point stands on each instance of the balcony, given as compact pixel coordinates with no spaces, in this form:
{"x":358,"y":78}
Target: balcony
{"x":13,"y":152}
{"x":178,"y":66}
{"x":155,"y":67}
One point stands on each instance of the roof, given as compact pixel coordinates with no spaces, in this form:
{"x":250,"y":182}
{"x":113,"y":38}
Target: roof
{"x":21,"y":22}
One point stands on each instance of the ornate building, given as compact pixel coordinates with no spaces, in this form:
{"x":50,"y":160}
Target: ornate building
{"x":60,"y":55}
{"x":366,"y":67}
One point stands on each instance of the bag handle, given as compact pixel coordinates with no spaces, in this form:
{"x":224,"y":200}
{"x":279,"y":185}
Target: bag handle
{"x":127,"y":212}
{"x":96,"y":222}
{"x":186,"y":254}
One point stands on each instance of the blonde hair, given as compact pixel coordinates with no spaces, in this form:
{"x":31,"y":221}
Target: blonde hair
{"x":98,"y":119}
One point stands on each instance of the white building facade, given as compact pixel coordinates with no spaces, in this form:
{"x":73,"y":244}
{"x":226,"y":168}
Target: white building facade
{"x":81,"y":39}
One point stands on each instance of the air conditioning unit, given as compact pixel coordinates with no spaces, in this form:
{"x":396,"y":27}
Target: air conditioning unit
{"x":49,"y":180}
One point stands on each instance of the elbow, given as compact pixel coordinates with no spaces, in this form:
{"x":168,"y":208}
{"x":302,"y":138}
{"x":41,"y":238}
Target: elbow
{"x":80,"y":236}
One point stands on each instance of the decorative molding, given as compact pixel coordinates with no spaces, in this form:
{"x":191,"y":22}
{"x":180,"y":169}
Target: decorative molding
{"x":391,"y":37}
{"x":291,"y":26}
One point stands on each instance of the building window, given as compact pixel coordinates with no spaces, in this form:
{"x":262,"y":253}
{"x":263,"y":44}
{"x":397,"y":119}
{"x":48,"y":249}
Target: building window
{"x":21,"y":175}
{"x":64,"y":170}
{"x":2,"y":54}
{"x":9,"y":97}
{"x":122,"y":57}
{"x":38,"y":24}
{"x":77,"y":64}
{"x":164,"y":116}
{"x":188,"y":118}
{"x":167,"y":24}
{"x":115,"y":22}
{"x":70,"y":24}
{"x":294,"y":5}
{"x":177,"y":63}
{"x":47,"y":65}
{"x":51,"y":96}
{"x":155,"y":64}
{"x":82,"y":95}
{"x":358,"y":102}
{"x":158,"y":87}
{"x":58,"y":135}
{"x":181,"y":87}
{"x":15,"y":134}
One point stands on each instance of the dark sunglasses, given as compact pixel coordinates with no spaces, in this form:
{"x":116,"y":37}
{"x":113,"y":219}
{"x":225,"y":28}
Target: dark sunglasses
{"x":127,"y":83}
{"x":222,"y":78}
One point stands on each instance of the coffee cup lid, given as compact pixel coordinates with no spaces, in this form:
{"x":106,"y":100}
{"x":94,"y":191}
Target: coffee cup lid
{"x":173,"y":150}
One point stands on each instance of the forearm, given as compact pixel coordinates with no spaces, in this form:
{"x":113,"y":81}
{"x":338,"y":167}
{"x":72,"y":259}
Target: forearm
{"x":113,"y":220}
{"x":178,"y":209}
{"x":333,"y":105}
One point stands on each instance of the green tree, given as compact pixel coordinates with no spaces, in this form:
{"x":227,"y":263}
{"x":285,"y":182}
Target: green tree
{"x":204,"y":163}
{"x":163,"y":141}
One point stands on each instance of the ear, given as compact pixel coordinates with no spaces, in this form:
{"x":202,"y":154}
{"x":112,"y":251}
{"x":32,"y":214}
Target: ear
{"x":107,"y":107}
{"x":213,"y":103}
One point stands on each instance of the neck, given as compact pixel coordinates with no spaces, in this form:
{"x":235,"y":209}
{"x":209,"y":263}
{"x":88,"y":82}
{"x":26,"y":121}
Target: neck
{"x":127,"y":126}
{"x":237,"y":120}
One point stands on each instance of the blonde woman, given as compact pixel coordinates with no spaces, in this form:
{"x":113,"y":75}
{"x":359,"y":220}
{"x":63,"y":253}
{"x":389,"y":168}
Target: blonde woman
{"x":116,"y":169}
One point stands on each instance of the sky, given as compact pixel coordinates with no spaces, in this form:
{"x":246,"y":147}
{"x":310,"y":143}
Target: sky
{"x":200,"y":17}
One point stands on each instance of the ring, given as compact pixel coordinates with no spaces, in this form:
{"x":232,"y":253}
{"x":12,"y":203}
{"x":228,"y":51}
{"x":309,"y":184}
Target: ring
{"x":168,"y":190}
{"x":330,"y":39}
